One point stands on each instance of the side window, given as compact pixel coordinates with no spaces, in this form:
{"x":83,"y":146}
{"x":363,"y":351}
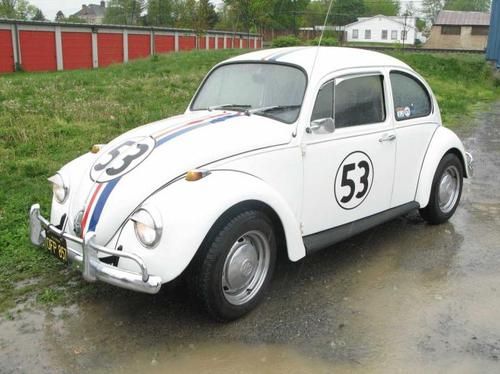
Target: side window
{"x":359,"y":101}
{"x":411,"y":99}
{"x":323,"y":107}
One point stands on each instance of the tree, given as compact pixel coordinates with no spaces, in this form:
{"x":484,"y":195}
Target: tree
{"x":75,"y":19}
{"x":315,"y":13}
{"x":468,"y":5}
{"x":60,"y":17}
{"x":347,"y":11}
{"x":385,"y":7}
{"x":431,"y":8}
{"x":184,"y":13}
{"x":159,"y":13}
{"x":420,"y":24}
{"x":39,"y":16}
{"x":206,"y":15}
{"x":124,"y":12}
{"x":17,"y":9}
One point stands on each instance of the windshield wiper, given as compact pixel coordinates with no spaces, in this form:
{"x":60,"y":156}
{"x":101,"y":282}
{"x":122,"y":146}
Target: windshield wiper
{"x":225,"y":106}
{"x":274,"y":108}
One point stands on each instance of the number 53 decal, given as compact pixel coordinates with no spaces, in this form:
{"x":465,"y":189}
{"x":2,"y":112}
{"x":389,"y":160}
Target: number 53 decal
{"x":121,"y":159}
{"x":353,"y":180}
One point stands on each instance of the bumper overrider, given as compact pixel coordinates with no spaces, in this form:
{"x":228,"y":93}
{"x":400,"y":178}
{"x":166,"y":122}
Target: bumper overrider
{"x":470,"y":163}
{"x":88,"y":261}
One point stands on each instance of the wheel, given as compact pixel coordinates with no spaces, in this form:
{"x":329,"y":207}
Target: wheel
{"x":446,"y":191}
{"x":233,"y":270}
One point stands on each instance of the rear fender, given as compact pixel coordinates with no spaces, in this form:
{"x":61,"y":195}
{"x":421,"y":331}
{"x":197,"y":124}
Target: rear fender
{"x":443,"y":141}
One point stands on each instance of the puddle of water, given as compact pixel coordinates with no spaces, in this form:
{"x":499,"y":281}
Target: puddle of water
{"x":226,"y":359}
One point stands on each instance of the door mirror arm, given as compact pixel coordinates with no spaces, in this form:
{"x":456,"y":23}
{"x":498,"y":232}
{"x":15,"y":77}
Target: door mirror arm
{"x":328,"y":124}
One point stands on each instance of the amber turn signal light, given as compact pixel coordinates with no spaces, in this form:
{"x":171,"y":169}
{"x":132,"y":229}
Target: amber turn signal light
{"x":195,"y":175}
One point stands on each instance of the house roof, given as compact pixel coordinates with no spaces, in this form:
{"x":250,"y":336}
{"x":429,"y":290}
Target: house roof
{"x":451,"y":17}
{"x":91,"y":10}
{"x":410,"y":22}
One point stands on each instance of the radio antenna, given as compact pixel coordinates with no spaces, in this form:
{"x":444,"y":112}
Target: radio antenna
{"x":321,"y":36}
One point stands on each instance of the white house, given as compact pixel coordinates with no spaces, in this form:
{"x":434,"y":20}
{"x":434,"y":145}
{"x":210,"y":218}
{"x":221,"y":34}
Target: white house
{"x":382,"y":29}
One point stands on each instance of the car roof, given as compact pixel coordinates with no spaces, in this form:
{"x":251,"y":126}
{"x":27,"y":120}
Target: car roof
{"x":329,"y":59}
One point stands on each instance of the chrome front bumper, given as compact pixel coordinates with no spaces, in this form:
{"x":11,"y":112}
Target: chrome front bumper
{"x":470,"y":164}
{"x":88,"y":261}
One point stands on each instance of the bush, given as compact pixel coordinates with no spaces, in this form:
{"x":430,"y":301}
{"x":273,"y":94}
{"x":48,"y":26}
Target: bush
{"x":286,"y":41}
{"x":328,"y":42}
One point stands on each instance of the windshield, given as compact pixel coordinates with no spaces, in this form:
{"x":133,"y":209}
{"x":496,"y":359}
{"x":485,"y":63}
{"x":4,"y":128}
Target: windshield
{"x":271,"y":90}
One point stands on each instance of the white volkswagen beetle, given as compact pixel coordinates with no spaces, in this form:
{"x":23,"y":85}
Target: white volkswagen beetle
{"x":290,"y":149}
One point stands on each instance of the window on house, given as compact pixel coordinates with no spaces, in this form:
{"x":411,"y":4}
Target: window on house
{"x":480,"y":30}
{"x":403,"y":35}
{"x":368,"y":34}
{"x":450,"y":30}
{"x":384,"y":34}
{"x":411,"y":99}
{"x":394,"y":35}
{"x":355,"y":34}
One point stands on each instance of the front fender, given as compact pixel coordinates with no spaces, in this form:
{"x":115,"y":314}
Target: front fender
{"x":190,"y":209}
{"x":443,"y":141}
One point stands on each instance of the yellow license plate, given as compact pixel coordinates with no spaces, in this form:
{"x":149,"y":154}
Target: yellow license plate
{"x":56,"y":245}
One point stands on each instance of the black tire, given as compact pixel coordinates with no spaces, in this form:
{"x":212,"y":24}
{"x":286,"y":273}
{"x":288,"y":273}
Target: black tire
{"x":434,"y":213}
{"x":207,"y":272}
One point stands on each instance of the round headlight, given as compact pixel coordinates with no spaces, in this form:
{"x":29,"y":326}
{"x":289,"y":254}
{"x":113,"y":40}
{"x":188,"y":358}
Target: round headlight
{"x":147,"y":226}
{"x":59,"y":188}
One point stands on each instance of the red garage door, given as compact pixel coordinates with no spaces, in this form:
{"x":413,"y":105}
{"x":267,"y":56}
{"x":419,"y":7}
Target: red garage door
{"x":186,"y":43}
{"x":7,"y":53}
{"x":211,"y":42}
{"x":220,"y":42}
{"x":258,"y":43}
{"x":252,"y":43}
{"x":245,"y":43}
{"x":202,"y":42}
{"x":110,"y":49}
{"x":229,"y":42}
{"x":139,"y":46}
{"x":164,"y":43}
{"x":77,"y":50}
{"x":38,"y":50}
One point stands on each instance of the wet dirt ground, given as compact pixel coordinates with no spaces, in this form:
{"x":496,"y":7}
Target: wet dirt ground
{"x":403,"y":297}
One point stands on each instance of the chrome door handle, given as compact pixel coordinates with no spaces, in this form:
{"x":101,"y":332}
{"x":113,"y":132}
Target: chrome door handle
{"x":387,"y":138}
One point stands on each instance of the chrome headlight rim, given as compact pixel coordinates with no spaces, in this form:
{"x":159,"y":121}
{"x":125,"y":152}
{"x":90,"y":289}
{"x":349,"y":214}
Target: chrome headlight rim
{"x":58,"y":181}
{"x":150,"y":218}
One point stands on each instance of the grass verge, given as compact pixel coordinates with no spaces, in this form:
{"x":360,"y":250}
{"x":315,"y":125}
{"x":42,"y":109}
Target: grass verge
{"x":47,"y":119}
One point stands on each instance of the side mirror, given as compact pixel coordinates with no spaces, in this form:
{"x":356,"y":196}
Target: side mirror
{"x":328,"y":124}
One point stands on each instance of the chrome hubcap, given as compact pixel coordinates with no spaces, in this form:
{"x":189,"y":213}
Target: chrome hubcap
{"x":245,"y":267}
{"x":449,"y":189}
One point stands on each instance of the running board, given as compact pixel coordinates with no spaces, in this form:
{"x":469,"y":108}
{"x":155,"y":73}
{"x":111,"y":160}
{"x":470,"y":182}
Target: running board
{"x":324,"y":239}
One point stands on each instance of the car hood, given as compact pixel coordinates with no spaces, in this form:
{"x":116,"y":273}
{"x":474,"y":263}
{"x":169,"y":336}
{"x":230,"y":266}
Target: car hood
{"x":108,"y":186}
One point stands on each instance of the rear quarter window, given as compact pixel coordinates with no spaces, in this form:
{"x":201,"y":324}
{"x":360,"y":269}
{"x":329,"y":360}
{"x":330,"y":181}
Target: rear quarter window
{"x":411,"y":98}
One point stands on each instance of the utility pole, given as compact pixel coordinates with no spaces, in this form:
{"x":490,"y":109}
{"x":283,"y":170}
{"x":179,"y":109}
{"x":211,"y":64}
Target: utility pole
{"x":404,"y":31}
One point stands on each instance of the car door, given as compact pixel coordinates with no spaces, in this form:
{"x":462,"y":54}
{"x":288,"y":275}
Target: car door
{"x":415,"y":121}
{"x":348,"y":173}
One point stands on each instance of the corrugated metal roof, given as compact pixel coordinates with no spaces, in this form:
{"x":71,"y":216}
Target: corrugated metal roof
{"x":451,"y":17}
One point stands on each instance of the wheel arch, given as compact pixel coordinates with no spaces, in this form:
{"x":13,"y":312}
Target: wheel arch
{"x":461,"y":158}
{"x":244,"y":206}
{"x":443,"y":142}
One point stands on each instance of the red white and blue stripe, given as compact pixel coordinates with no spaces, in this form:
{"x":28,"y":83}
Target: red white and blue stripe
{"x":102,"y":191}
